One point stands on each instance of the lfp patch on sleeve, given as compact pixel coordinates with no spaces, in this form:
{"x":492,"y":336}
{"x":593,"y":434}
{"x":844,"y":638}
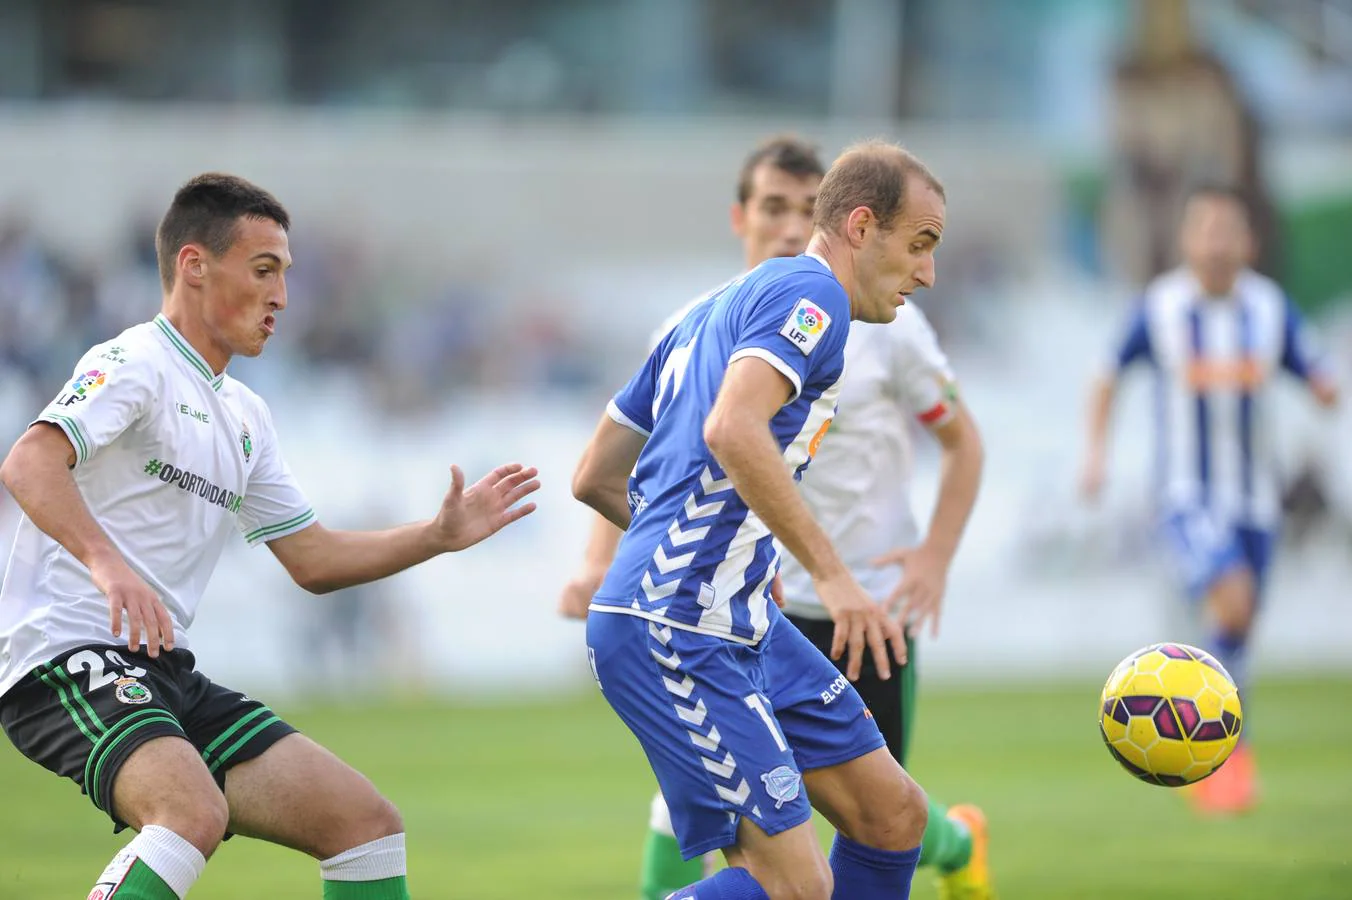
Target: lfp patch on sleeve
{"x":806,"y":325}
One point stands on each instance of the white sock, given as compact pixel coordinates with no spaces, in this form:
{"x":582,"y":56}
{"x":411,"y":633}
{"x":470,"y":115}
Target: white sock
{"x":178,"y":863}
{"x":382,"y":858}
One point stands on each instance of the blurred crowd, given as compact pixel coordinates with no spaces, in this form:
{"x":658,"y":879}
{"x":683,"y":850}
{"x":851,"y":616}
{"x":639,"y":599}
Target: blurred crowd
{"x":390,"y":336}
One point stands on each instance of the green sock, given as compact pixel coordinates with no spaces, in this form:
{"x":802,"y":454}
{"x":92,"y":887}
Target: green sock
{"x":663,"y":869}
{"x":141,"y":883}
{"x":947,"y":844}
{"x":383,"y":889}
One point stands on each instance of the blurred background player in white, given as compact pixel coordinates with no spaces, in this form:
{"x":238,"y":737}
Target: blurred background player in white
{"x":772,"y":216}
{"x":1215,"y":332}
{"x":858,"y":489}
{"x":131,"y":482}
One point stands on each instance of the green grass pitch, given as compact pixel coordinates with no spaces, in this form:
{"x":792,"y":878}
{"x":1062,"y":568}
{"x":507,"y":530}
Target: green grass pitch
{"x":513,"y":801}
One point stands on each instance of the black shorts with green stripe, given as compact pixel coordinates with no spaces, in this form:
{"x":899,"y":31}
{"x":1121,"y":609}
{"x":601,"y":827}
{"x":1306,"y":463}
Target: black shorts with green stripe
{"x":892,"y":702}
{"x":82,"y":714}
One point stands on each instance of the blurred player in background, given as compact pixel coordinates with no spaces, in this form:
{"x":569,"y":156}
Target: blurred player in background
{"x":735,"y":709}
{"x":1215,"y":333}
{"x":857,"y":489}
{"x":772,"y":215}
{"x":131,"y":482}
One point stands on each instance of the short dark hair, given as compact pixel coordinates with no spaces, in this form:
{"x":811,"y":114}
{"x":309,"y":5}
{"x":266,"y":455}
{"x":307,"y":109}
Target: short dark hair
{"x":205,"y":211}
{"x":872,"y":174}
{"x":784,"y":152}
{"x":1222,"y":190}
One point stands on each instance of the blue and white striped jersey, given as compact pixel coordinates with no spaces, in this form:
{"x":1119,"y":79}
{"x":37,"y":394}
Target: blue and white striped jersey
{"x":694,"y":556}
{"x":1214,"y":359}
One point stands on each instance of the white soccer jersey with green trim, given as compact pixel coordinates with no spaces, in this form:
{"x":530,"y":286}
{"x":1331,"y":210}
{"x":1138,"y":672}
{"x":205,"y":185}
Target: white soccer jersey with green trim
{"x":170,"y":459}
{"x":858,"y":486}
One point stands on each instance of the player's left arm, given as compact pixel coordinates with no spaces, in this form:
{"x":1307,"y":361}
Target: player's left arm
{"x":275,"y":511}
{"x":930,"y":392}
{"x":321,"y":560}
{"x":1301,"y":359}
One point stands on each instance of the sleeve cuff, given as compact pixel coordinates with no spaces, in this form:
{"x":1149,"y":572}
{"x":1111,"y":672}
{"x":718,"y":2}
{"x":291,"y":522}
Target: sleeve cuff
{"x":617,"y":415}
{"x":281,"y":529}
{"x":784,"y":368}
{"x":73,"y":433}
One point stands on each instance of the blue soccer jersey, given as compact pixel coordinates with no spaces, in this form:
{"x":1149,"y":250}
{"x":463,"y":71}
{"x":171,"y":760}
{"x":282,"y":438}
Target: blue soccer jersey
{"x":694,"y":556}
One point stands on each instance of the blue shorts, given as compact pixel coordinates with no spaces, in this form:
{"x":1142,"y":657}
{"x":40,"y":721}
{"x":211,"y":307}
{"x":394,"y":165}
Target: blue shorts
{"x":728,"y":729}
{"x":1205,"y":547}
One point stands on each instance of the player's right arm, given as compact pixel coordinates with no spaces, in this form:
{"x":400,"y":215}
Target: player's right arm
{"x":737,"y":432}
{"x":1136,"y":346}
{"x":601,"y":479}
{"x":37,"y":472}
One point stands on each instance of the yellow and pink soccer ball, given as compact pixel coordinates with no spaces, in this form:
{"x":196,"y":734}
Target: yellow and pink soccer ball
{"x":1170,"y":714}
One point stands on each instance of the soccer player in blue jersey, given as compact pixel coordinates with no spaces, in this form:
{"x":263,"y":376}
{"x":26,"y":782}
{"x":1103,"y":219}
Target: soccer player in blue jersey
{"x":740,"y":716}
{"x":1215,"y":332}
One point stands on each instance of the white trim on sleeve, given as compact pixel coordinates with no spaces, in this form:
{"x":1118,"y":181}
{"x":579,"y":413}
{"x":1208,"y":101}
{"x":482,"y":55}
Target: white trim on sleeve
{"x":617,"y":415}
{"x":784,"y":368}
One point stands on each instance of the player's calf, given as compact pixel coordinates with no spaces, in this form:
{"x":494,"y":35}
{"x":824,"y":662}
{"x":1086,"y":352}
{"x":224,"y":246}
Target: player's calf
{"x":785,"y":866}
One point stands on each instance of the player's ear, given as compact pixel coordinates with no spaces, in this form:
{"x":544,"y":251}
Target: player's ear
{"x":737,"y":216}
{"x":191,"y":264}
{"x":858,"y":223}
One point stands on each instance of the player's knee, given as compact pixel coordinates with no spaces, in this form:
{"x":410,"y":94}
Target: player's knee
{"x":201,"y":822}
{"x":368,"y":821}
{"x":897,"y":822}
{"x":388,"y":820}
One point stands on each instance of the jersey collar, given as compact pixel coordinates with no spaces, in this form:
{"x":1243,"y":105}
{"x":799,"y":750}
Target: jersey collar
{"x":185,"y":349}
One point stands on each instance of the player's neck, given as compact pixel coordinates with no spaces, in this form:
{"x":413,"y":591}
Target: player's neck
{"x":823,"y":248}
{"x":195,"y":332}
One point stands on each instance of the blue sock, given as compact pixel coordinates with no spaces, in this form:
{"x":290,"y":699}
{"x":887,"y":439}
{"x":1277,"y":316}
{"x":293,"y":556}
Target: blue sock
{"x":865,"y":873}
{"x":726,"y":884}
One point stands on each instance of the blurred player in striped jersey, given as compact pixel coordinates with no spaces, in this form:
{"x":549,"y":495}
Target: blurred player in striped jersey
{"x":1215,"y":332}
{"x":901,"y":374}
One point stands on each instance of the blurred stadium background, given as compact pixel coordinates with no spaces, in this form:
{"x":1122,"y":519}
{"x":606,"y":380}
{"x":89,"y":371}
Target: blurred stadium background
{"x":494,"y":202}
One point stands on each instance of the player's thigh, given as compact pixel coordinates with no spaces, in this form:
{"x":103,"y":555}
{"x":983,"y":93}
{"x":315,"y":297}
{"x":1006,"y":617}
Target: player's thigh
{"x":300,"y":795}
{"x":84,"y":714}
{"x":164,"y":782}
{"x":823,"y":716}
{"x":870,"y":799}
{"x":697,"y":706}
{"x":885,"y":700}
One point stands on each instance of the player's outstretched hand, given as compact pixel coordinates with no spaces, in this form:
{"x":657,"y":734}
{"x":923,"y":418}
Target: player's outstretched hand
{"x":919,"y":596}
{"x":861,"y":626}
{"x":146,"y":616}
{"x":468,"y":516}
{"x":577,"y":594}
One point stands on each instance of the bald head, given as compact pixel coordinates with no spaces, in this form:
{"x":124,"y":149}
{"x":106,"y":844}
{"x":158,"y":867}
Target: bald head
{"x":872,"y":174}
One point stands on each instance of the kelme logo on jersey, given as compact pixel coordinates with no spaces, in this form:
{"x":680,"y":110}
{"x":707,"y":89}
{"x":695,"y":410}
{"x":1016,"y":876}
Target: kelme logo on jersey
{"x":246,"y":442}
{"x":131,"y":692}
{"x":805,"y":325}
{"x":194,"y":484}
{"x":81,"y":386}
